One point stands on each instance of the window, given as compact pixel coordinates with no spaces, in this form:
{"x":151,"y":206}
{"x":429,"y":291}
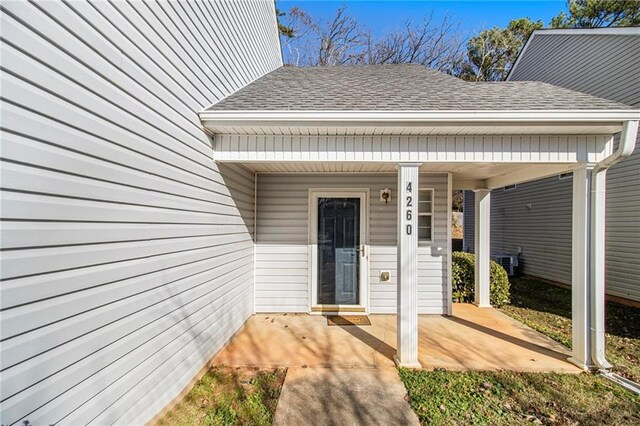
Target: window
{"x":425,"y":215}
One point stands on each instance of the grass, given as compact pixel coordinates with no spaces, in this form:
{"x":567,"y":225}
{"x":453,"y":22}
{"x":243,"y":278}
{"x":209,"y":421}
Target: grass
{"x":508,"y":398}
{"x":230,"y":396}
{"x":512,"y":398}
{"x":547,"y":309}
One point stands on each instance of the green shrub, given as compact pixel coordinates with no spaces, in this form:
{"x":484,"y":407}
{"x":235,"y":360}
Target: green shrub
{"x":462,"y":272}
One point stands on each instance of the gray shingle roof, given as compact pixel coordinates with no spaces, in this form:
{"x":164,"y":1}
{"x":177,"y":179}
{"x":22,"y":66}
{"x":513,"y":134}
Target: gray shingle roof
{"x":406,"y":87}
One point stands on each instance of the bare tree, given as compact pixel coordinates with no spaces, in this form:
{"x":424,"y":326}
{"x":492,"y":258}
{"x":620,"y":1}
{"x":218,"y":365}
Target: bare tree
{"x":298,"y":44}
{"x":316,"y":43}
{"x":435,"y":45}
{"x":344,"y":41}
{"x":340,"y":42}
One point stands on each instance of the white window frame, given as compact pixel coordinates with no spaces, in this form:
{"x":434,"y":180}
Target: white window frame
{"x":432,"y":214}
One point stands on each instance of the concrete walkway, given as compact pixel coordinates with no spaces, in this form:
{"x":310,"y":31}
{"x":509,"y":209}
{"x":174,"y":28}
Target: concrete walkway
{"x":346,"y":375}
{"x":359,"y":396}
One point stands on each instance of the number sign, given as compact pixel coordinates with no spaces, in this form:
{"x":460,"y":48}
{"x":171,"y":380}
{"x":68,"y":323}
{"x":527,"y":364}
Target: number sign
{"x":409,"y":200}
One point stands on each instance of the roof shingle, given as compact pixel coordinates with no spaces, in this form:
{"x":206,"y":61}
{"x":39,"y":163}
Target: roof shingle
{"x":404,"y":87}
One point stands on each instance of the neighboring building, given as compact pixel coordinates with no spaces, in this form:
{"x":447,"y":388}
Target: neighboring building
{"x":135,"y":246}
{"x":126,"y":264}
{"x":535,"y":217}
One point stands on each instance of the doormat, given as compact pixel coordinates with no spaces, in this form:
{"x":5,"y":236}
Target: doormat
{"x":348,"y":320}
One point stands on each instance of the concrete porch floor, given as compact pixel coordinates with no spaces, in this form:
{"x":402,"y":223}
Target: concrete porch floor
{"x":472,"y":339}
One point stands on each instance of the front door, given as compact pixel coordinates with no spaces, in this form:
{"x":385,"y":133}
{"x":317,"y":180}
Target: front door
{"x":338,"y":251}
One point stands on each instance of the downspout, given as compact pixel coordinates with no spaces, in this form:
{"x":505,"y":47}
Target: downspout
{"x":597,"y":272}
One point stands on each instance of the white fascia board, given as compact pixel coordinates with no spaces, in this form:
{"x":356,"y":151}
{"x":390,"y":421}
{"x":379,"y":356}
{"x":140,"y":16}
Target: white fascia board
{"x":414,"y":118}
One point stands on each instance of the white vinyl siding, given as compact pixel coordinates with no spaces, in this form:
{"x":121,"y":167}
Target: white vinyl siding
{"x":600,"y":65}
{"x":127,"y":252}
{"x":282,"y":254}
{"x":424,"y":149}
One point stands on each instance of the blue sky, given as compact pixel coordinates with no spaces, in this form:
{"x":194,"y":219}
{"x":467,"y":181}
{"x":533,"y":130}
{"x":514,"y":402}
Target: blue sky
{"x":473,"y":16}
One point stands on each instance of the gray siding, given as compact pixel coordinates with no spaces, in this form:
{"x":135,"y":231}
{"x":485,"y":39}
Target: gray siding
{"x":468,"y":224}
{"x":127,"y":253}
{"x":282,"y":264}
{"x":536,"y":217}
{"x":623,"y":227}
{"x":601,"y":65}
{"x":598,"y":64}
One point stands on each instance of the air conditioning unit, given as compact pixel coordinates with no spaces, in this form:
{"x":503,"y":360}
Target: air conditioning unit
{"x":508,"y":261}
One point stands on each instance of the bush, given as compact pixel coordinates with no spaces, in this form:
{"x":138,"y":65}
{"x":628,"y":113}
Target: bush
{"x":462,"y":274}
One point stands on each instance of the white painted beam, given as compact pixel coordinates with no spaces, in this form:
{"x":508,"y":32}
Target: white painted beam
{"x":482,"y":247}
{"x":467,"y":184}
{"x":527,"y":173}
{"x":581,"y":352}
{"x":407,"y":268}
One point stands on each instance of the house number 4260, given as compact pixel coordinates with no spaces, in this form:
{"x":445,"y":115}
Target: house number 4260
{"x":409,"y":199}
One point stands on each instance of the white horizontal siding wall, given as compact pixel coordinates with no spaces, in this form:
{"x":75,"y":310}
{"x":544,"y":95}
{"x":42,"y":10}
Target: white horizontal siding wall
{"x":393,"y":149}
{"x":282,"y":256}
{"x":127,"y":253}
{"x":603,"y":65}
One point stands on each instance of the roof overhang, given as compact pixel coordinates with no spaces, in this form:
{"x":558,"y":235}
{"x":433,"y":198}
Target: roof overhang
{"x":419,"y":122}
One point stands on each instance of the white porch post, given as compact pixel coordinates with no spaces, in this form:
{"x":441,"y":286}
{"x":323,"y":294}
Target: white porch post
{"x":407,"y":267}
{"x":482,"y":247}
{"x":581,"y":349}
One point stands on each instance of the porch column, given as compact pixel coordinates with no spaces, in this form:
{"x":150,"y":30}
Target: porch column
{"x":581,"y":349}
{"x":407,"y":267}
{"x":482,"y":247}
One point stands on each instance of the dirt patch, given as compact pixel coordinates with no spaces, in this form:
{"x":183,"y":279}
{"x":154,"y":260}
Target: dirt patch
{"x":230,"y":396}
